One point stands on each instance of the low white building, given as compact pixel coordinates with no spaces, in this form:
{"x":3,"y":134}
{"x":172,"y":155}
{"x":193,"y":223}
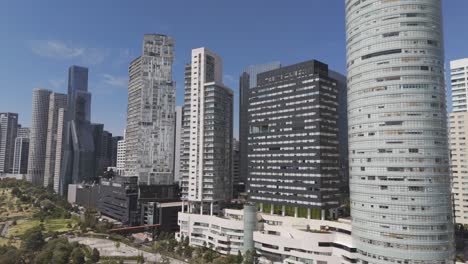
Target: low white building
{"x":276,"y":239}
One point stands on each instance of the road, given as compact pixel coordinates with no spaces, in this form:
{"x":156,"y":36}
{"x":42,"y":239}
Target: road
{"x":108,"y":248}
{"x":5,"y":228}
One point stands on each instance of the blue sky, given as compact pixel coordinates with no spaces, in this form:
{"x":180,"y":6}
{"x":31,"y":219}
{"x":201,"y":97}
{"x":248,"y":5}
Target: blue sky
{"x":40,"y":39}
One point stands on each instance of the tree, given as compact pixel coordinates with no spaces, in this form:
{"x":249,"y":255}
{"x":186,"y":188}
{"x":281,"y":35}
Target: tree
{"x":239,"y":257}
{"x":164,"y":260}
{"x":95,"y":256}
{"x":78,"y":256}
{"x":209,"y":256}
{"x":117,"y":244}
{"x":33,"y":240}
{"x":250,"y":257}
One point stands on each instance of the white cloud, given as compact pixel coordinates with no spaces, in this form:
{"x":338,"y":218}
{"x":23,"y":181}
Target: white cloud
{"x":57,"y":49}
{"x":116,"y":81}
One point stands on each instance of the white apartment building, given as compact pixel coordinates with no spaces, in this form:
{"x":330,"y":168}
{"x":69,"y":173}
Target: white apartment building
{"x":458,"y":139}
{"x":206,"y":162}
{"x":276,"y":239}
{"x":459,"y":83}
{"x":121,"y":154}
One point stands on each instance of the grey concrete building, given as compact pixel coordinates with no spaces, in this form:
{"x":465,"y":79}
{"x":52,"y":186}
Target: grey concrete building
{"x":57,"y":101}
{"x":150,"y":115}
{"x":8,"y":131}
{"x":293,"y":141}
{"x":78,"y":163}
{"x":401,"y":203}
{"x":38,"y":137}
{"x":207,"y":135}
{"x":247,"y":81}
{"x":177,"y":142}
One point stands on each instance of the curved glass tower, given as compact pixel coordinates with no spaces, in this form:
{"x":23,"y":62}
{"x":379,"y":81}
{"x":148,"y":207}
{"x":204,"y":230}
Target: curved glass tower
{"x":399,"y":177}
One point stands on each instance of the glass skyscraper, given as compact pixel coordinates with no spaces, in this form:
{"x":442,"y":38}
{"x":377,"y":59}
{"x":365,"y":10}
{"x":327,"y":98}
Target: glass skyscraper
{"x":398,"y":152}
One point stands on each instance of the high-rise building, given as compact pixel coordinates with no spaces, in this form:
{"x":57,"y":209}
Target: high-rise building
{"x":207,"y":135}
{"x":8,"y":131}
{"x":399,"y":164}
{"x":293,"y":141}
{"x":114,"y":143}
{"x":458,"y":140}
{"x":247,"y":81}
{"x":20,"y":160}
{"x":59,"y":150}
{"x":459,"y":83}
{"x":38,"y":136}
{"x":57,"y":101}
{"x":177,"y":142}
{"x":78,"y":163}
{"x":121,"y":157}
{"x":150,"y":115}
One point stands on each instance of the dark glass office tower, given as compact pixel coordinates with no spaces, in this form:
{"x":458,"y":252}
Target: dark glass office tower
{"x":293,"y":137}
{"x":247,"y":81}
{"x":79,"y":157}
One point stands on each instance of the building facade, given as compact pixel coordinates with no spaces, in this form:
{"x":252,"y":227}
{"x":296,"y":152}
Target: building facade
{"x":114,"y":146}
{"x":8,"y":132}
{"x":247,"y":81}
{"x":458,"y":131}
{"x":399,"y":164}
{"x":121,"y":153}
{"x":293,"y":141}
{"x":276,"y":239}
{"x":150,"y":114}
{"x":78,"y":162}
{"x":207,"y":134}
{"x":177,"y":142}
{"x":20,"y":160}
{"x":38,"y":136}
{"x":57,"y":102}
{"x":459,"y":84}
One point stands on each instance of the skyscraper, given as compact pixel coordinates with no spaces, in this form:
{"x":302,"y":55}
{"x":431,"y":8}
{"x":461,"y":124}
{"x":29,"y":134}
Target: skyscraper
{"x":38,"y":136}
{"x":293,"y":150}
{"x":20,"y":160}
{"x":458,"y":140}
{"x":114,"y":145}
{"x":247,"y":81}
{"x":177,"y":142}
{"x":150,"y":115}
{"x":57,"y":101}
{"x":78,"y":162}
{"x":207,"y":135}
{"x":8,"y":130}
{"x":399,"y":178}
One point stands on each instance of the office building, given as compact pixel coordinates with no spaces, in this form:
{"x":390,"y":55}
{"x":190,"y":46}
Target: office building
{"x":207,"y":135}
{"x":278,"y":239}
{"x":121,"y":157}
{"x":59,"y":147}
{"x":238,"y":184}
{"x":399,"y":163}
{"x":115,"y":141}
{"x":38,"y":136}
{"x":78,"y":163}
{"x":459,"y":83}
{"x":150,"y":115}
{"x":8,"y":131}
{"x":247,"y":81}
{"x":20,"y":159}
{"x":177,"y":142}
{"x":293,"y":142}
{"x":57,"y":102}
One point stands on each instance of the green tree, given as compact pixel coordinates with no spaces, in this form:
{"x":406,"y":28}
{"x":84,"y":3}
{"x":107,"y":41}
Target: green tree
{"x":239,"y":257}
{"x":95,"y":256}
{"x":33,"y":240}
{"x":77,"y":256}
{"x":117,"y":244}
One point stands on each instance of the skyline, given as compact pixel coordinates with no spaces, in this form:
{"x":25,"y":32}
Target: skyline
{"x":37,"y":55}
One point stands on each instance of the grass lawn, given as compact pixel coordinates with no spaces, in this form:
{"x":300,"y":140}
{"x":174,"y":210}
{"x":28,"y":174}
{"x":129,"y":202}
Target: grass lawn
{"x":11,"y":207}
{"x":15,"y":243}
{"x":53,"y":225}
